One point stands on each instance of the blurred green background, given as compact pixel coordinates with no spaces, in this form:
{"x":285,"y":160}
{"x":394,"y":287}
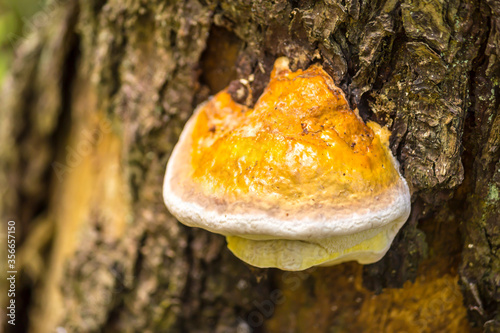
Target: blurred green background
{"x":14,"y":14}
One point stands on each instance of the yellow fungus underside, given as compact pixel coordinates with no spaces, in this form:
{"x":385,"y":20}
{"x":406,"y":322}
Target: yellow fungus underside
{"x":365,"y":247}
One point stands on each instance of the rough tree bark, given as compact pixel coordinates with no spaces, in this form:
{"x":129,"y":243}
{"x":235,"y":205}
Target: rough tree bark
{"x":99,"y":93}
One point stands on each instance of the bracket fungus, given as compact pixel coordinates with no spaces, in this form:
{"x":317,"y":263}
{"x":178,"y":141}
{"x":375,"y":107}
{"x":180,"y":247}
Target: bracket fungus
{"x":298,"y":181}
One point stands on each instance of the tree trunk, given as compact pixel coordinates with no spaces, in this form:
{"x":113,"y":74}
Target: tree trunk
{"x":96,"y":100}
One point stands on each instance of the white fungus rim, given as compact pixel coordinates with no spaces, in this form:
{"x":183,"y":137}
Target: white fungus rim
{"x":260,"y":225}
